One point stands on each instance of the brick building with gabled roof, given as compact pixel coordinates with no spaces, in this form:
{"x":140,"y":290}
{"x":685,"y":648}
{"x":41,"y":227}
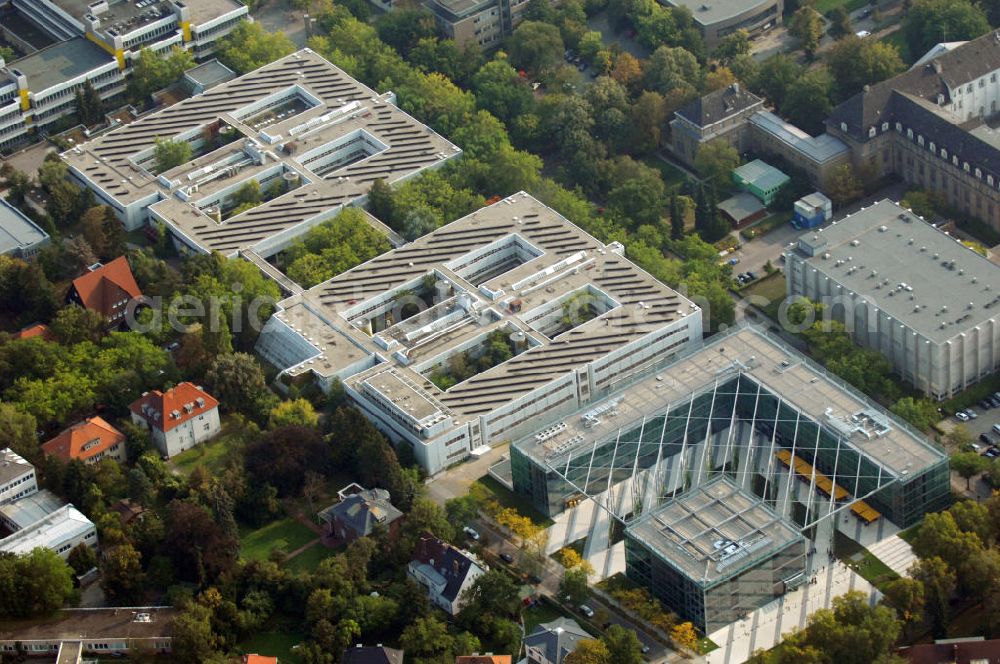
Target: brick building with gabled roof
{"x":179,"y":418}
{"x":106,"y":289}
{"x":89,"y":441}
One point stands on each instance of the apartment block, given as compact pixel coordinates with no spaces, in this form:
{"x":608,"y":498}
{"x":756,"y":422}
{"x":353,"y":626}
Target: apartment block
{"x":483,"y":22}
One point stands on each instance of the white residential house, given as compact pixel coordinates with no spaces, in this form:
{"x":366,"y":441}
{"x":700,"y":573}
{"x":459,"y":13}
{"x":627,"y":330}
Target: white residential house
{"x":17,"y":477}
{"x":178,"y":419}
{"x":445,"y":571}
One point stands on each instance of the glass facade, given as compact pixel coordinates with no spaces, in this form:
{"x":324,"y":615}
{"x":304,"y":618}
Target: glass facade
{"x":715,"y":605}
{"x":765,"y":422}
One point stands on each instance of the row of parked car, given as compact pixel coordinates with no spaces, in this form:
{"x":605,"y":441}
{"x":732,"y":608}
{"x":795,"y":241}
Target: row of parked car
{"x":992,"y":401}
{"x":745,"y":277}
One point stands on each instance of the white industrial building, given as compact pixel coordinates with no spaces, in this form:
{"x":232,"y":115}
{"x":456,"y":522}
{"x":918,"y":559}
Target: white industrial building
{"x":17,"y":477}
{"x":464,"y":338}
{"x":906,"y":289}
{"x":61,"y":531}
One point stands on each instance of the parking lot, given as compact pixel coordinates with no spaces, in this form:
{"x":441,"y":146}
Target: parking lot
{"x":981,"y":425}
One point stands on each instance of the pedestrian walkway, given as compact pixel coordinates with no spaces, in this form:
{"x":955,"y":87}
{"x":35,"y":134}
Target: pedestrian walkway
{"x":894,"y":552}
{"x":765,"y":627}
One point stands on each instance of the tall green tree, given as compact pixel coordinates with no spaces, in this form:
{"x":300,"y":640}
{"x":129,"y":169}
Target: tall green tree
{"x":676,"y":218}
{"x":939,"y":583}
{"x":249,"y":46}
{"x":34,"y":584}
{"x":855,"y":63}
{"x":806,"y":25}
{"x":535,"y":46}
{"x":715,"y":162}
{"x":928,"y":22}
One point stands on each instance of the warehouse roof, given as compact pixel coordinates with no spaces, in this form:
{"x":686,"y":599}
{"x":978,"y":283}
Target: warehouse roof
{"x":64,"y":524}
{"x":919,"y":275}
{"x":714,"y":530}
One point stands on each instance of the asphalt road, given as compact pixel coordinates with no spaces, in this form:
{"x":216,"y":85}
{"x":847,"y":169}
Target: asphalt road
{"x":497,"y":543}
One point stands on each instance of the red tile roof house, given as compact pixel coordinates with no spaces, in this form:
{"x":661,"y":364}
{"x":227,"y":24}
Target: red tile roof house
{"x":106,"y":289}
{"x":35,"y":330}
{"x":258,"y":659}
{"x":89,"y":441}
{"x":179,"y":418}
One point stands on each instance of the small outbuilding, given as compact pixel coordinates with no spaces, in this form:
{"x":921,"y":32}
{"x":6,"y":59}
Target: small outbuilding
{"x":812,"y":210}
{"x":742,"y":209}
{"x":760,"y":179}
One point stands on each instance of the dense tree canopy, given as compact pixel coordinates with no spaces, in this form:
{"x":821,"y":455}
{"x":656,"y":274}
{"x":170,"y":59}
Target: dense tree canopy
{"x":249,"y":46}
{"x":929,"y":22}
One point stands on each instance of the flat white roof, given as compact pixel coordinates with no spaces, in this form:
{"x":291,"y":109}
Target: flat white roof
{"x":64,"y":524}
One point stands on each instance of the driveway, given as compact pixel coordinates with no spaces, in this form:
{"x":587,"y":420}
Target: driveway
{"x":497,"y":543}
{"x":456,"y":481}
{"x":770,"y":246}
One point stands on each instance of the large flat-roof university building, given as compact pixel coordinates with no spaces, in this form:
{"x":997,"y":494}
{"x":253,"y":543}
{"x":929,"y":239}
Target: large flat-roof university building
{"x":722,"y":463}
{"x":98,"y":42}
{"x":718,"y":18}
{"x":311,"y":136}
{"x":473,"y":334}
{"x":910,"y":291}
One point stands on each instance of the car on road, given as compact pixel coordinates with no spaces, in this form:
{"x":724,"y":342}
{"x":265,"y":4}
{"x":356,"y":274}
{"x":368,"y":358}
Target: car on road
{"x":751,"y":276}
{"x":471,"y":533}
{"x":734,"y":260}
{"x":993,"y":452}
{"x":993,"y":401}
{"x":862,"y":34}
{"x":645,"y":649}
{"x":586,"y":610}
{"x":507,"y":558}
{"x":985,"y":439}
{"x":961,"y":416}
{"x":971,"y":413}
{"x":985,"y":404}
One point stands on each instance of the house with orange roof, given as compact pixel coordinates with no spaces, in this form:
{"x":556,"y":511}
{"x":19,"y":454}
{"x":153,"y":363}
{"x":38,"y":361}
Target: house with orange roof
{"x":483,"y":659}
{"x":34,"y":330}
{"x":90,"y":441}
{"x":179,"y":418}
{"x":259,"y":659}
{"x":107,"y":289}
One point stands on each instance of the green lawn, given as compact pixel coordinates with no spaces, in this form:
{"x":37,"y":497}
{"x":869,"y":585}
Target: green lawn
{"x":508,"y":498}
{"x":706,"y":645}
{"x":309,"y":560}
{"x":212,"y":454}
{"x":910,"y":533}
{"x":862,"y":561}
{"x":542,"y":612}
{"x":673,"y":177}
{"x":772,"y":289}
{"x":823,"y":6}
{"x":287,"y":534}
{"x":278,"y":644}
